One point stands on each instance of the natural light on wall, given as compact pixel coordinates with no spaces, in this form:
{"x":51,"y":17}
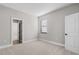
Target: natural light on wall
{"x":44,"y":26}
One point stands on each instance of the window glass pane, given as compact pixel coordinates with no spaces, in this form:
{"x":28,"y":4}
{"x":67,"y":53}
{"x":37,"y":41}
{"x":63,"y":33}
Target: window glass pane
{"x":44,"y":22}
{"x":44,"y":26}
{"x":44,"y":29}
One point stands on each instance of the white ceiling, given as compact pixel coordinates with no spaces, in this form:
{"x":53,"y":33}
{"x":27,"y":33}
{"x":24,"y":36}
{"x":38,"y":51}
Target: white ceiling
{"x":36,"y":9}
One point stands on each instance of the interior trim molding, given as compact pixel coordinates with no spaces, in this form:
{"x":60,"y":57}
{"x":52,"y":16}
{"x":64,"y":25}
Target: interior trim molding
{"x":52,"y":42}
{"x":5,"y":46}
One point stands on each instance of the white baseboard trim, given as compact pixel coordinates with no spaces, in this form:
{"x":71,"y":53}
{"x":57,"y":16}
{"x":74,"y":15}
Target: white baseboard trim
{"x":52,"y":42}
{"x":29,"y":40}
{"x":5,"y":46}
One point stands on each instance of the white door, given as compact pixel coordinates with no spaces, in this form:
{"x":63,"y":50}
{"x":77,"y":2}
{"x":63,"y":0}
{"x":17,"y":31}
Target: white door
{"x":72,"y":32}
{"x":15,"y":31}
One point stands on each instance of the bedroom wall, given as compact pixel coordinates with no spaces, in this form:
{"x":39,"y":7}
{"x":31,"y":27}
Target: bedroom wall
{"x":56,"y":23}
{"x":30,"y":25}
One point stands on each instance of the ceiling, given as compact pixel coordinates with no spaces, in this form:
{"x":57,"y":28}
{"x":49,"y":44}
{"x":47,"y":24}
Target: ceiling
{"x":36,"y":9}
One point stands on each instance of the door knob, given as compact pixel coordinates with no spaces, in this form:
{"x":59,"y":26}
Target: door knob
{"x":66,"y":34}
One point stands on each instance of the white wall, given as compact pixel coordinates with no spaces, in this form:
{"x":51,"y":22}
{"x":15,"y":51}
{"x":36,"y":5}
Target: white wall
{"x":30,"y":26}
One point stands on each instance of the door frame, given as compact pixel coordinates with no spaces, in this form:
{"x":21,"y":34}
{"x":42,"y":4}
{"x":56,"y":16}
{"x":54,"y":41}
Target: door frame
{"x":11,"y":23}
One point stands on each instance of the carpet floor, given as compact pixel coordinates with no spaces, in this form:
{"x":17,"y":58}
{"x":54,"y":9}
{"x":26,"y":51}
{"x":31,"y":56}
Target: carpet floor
{"x":35,"y":48}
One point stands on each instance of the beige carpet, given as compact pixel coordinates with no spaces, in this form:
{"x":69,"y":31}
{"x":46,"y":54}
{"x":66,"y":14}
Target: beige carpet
{"x":35,"y":48}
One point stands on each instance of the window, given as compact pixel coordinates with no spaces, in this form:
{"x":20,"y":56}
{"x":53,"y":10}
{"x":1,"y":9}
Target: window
{"x":43,"y":26}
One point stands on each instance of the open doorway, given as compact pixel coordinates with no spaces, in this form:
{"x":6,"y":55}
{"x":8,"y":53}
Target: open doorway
{"x":16,"y":31}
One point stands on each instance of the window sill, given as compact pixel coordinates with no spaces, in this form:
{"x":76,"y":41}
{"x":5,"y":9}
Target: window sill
{"x":44,"y":33}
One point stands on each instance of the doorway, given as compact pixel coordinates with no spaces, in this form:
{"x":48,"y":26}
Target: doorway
{"x":16,"y":31}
